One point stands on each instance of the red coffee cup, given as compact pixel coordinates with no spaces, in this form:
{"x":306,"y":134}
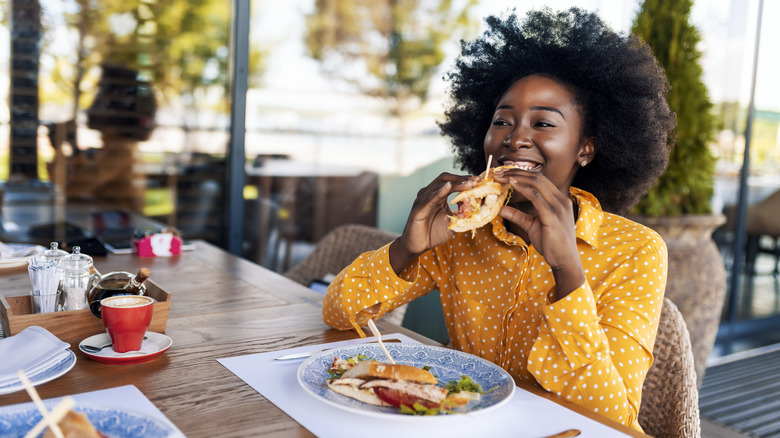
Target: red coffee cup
{"x":126,"y":318}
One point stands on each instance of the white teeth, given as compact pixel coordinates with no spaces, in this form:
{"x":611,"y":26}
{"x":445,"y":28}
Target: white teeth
{"x":527,"y":166}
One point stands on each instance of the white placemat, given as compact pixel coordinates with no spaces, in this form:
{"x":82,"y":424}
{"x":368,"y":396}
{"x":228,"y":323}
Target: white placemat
{"x":525,"y":415}
{"x":127,"y":397}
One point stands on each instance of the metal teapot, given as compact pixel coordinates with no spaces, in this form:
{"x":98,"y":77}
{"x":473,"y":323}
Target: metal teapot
{"x":113,"y":284}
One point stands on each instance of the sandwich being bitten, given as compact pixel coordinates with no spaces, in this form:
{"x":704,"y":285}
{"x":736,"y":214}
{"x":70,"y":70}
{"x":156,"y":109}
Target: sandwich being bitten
{"x":480,"y":204}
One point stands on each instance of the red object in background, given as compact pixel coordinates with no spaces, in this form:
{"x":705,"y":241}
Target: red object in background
{"x":157,"y":245}
{"x":101,"y":221}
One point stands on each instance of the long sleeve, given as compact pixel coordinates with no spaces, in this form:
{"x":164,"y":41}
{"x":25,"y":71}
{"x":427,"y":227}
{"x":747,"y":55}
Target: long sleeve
{"x":369,"y":288}
{"x":597,"y":353}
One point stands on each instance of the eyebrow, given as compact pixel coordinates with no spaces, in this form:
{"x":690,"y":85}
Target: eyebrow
{"x":536,"y":108}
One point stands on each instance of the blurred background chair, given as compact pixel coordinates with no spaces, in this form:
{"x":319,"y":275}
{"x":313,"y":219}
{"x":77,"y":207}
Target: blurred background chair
{"x":670,"y":396}
{"x":300,"y":202}
{"x":762,"y":227}
{"x":336,"y":250}
{"x":199,"y":195}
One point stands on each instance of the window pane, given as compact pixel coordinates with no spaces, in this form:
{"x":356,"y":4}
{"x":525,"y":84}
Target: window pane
{"x":119,"y":110}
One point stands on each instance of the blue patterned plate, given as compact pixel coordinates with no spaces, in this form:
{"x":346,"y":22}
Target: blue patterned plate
{"x":43,"y":376}
{"x":16,"y":421}
{"x":446,"y":364}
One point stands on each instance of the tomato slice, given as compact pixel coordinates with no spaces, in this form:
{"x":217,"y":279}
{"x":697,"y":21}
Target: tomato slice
{"x":397,"y":398}
{"x":464,"y":210}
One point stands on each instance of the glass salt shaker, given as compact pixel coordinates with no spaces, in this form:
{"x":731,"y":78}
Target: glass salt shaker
{"x":77,"y":279}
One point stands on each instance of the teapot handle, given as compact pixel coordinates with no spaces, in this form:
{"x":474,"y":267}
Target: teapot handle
{"x":94,"y":307}
{"x":93,"y":280}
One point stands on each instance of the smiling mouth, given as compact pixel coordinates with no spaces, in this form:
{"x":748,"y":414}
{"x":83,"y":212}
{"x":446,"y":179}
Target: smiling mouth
{"x":528,"y":166}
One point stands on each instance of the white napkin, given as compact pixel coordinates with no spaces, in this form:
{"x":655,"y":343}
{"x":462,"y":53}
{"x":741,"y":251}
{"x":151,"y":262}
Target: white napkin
{"x":18,"y":250}
{"x":6,"y":252}
{"x":33,"y":350}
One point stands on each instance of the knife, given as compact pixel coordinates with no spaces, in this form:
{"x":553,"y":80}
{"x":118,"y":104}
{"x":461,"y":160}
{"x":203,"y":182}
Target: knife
{"x":305,"y":354}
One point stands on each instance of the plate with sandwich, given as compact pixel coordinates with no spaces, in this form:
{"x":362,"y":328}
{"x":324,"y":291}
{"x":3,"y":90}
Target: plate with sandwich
{"x":85,"y":420}
{"x":425,"y":382}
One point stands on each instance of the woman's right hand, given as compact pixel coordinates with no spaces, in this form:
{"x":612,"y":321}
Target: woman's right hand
{"x":427,"y":224}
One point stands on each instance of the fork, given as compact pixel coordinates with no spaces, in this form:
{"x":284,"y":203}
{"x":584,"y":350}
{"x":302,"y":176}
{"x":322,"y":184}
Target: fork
{"x":306,"y":354}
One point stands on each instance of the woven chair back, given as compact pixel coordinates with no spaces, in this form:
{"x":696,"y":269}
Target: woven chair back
{"x":337,"y":249}
{"x":670,"y":396}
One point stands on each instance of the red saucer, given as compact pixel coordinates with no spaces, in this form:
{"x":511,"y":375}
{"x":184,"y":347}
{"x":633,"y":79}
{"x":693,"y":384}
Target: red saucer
{"x":109,"y":356}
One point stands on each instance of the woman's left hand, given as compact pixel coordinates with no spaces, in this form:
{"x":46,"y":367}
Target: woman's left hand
{"x":548,"y":224}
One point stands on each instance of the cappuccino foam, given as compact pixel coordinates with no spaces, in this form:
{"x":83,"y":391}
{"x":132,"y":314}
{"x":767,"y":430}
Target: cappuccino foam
{"x":126,"y":301}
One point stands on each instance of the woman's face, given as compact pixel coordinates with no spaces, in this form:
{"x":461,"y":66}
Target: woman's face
{"x":537,"y":126}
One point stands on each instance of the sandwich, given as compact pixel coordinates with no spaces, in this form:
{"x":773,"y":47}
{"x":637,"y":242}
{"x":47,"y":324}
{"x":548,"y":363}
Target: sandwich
{"x":75,"y":425}
{"x":478,"y":205}
{"x":413,"y":390}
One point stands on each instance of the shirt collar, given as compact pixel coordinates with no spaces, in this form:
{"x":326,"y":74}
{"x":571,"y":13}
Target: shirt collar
{"x":589,"y":219}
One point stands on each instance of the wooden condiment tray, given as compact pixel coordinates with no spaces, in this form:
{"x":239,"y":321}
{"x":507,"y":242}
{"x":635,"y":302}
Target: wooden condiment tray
{"x":73,"y":326}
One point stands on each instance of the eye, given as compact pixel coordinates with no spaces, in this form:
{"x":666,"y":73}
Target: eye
{"x":500,"y":122}
{"x":544,"y":124}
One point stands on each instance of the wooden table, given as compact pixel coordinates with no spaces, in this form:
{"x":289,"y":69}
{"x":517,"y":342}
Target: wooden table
{"x":222,"y":306}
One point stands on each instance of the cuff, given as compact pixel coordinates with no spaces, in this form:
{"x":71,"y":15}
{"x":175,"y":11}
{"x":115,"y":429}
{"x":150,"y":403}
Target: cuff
{"x":573,"y":322}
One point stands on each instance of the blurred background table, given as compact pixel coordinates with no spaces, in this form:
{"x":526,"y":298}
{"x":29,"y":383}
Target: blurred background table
{"x":45,"y":220}
{"x":300,"y":202}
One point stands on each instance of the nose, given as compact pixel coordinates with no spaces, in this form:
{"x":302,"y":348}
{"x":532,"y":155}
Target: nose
{"x":517,"y":138}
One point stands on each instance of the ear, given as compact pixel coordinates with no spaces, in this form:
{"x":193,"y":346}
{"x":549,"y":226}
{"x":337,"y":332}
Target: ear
{"x":587,"y":151}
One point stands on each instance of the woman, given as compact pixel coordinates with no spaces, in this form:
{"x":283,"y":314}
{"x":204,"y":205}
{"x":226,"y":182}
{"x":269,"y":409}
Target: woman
{"x":559,"y":290}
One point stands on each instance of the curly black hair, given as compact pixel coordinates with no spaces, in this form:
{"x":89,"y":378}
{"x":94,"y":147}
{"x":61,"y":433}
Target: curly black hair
{"x":614,"y":77}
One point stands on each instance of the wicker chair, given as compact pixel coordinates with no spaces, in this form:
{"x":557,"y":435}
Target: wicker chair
{"x":670,"y":398}
{"x":337,"y":249}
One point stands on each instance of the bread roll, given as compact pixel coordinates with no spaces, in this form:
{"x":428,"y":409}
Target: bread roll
{"x":371,"y":369}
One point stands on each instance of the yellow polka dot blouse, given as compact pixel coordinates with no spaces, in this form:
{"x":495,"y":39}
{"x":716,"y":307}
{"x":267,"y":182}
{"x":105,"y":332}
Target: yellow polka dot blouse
{"x":592,"y":347}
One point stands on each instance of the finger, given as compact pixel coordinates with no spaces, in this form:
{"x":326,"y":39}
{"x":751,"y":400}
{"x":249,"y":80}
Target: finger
{"x":427,"y":206}
{"x":554,"y":214}
{"x":440,"y":196}
{"x":458,"y":182}
{"x":516,"y":216}
{"x":539,"y":190}
{"x":455,"y":179}
{"x":465,"y":184}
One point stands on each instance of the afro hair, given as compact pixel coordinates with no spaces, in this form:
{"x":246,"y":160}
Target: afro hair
{"x":614,"y":77}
